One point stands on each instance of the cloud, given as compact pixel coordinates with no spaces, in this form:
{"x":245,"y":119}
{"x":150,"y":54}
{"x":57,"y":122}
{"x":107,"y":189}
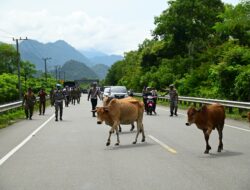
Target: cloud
{"x":77,"y":28}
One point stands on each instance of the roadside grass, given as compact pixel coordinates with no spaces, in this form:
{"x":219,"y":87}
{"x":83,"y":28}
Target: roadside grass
{"x":12,"y":116}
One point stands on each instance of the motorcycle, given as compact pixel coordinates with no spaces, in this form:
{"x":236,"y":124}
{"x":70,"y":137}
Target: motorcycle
{"x":150,"y":105}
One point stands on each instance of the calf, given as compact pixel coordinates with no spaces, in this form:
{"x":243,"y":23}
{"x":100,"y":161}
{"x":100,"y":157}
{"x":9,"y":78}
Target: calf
{"x":207,"y":119}
{"x":119,"y":112}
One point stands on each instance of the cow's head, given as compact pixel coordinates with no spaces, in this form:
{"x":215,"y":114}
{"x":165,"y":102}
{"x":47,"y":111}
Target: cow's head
{"x":192,"y":114}
{"x":102,"y":114}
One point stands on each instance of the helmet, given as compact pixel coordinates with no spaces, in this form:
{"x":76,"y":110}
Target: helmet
{"x":58,"y":86}
{"x":171,"y":85}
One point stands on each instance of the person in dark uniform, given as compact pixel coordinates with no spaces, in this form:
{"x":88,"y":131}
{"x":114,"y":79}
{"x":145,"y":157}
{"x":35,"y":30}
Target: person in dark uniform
{"x":173,"y":98}
{"x":93,"y":93}
{"x":29,"y":101}
{"x":42,"y":101}
{"x":58,"y":97}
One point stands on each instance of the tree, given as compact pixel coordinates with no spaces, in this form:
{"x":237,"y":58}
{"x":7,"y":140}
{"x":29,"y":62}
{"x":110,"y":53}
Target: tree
{"x":235,"y":23}
{"x":8,"y":58}
{"x":186,"y":24}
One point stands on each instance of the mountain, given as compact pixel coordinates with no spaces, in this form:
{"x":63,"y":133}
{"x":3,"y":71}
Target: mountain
{"x":90,"y":53}
{"x":98,"y":57}
{"x":59,"y":51}
{"x":75,"y":70}
{"x":101,"y":70}
{"x":106,"y":59}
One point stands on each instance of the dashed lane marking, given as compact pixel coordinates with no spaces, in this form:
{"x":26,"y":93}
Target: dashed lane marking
{"x":169,"y":149}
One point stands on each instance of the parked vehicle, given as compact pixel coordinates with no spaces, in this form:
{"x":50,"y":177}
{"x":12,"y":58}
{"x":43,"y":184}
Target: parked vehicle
{"x":118,"y":92}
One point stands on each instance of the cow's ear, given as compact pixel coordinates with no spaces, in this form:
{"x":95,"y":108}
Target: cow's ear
{"x":106,"y":108}
{"x":204,"y":108}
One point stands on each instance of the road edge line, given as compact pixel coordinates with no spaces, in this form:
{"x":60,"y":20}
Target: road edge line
{"x":14,"y":150}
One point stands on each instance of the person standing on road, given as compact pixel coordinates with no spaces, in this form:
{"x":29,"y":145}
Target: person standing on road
{"x":93,"y":93}
{"x":42,"y":101}
{"x":58,"y":97}
{"x":29,"y":101}
{"x":173,"y":98}
{"x":155,"y":96}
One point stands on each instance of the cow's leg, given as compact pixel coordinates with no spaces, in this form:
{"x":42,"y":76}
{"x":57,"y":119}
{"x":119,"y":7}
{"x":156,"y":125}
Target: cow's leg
{"x":206,"y":135}
{"x":137,"y":133}
{"x":220,"y":147}
{"x":108,"y":141}
{"x":132,"y":127}
{"x":120,"y":128}
{"x":117,"y":134}
{"x":110,"y":133}
{"x":143,"y":134}
{"x":139,"y":129}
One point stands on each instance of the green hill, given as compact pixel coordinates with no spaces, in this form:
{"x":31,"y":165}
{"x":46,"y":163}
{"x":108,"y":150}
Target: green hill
{"x":75,"y":70}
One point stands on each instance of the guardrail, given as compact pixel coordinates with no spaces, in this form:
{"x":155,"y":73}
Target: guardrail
{"x":10,"y":106}
{"x":226,"y":103}
{"x":13,"y":105}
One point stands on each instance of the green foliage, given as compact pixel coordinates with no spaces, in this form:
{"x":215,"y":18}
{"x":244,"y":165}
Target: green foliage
{"x":8,"y":58}
{"x":202,"y":46}
{"x":235,"y":23}
{"x":8,"y":88}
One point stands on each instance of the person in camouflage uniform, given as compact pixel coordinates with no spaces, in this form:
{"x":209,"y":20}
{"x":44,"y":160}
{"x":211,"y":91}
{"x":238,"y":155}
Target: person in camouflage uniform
{"x":173,"y":98}
{"x":58,"y":97}
{"x":29,"y":101}
{"x":42,"y":101}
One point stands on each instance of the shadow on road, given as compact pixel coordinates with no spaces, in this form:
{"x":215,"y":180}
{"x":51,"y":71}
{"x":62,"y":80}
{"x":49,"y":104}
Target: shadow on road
{"x":225,"y":153}
{"x":127,"y":146}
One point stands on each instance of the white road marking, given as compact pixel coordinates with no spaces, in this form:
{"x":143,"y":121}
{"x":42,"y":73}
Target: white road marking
{"x":233,"y":127}
{"x":14,"y":150}
{"x":163,"y":145}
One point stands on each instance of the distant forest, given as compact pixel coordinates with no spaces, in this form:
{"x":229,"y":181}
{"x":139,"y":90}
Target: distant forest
{"x":201,"y":46}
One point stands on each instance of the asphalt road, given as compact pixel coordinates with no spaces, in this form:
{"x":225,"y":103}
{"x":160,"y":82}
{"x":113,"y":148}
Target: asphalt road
{"x":42,"y":154}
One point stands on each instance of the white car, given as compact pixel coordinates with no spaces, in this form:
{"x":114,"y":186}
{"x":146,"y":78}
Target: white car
{"x":106,"y":91}
{"x":118,"y":92}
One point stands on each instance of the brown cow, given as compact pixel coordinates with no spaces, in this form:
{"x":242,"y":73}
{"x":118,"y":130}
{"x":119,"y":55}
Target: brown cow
{"x":207,"y":119}
{"x":246,"y":116}
{"x":106,"y":101}
{"x":119,"y":112}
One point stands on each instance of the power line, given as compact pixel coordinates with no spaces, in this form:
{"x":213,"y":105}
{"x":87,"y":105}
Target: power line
{"x":45,"y":66}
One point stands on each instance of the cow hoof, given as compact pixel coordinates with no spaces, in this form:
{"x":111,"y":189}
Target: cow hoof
{"x":219,"y":150}
{"x":143,"y":140}
{"x":206,"y":152}
{"x":134,"y":142}
{"x":116,"y":144}
{"x":108,"y":143}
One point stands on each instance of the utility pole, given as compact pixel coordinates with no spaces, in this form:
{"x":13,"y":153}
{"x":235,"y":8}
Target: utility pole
{"x":18,"y":65}
{"x":45,"y":66}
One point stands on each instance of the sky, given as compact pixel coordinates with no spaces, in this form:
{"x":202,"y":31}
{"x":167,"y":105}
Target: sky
{"x":110,"y":26}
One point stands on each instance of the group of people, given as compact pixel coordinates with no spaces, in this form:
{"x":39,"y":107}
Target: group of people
{"x":57,"y":96}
